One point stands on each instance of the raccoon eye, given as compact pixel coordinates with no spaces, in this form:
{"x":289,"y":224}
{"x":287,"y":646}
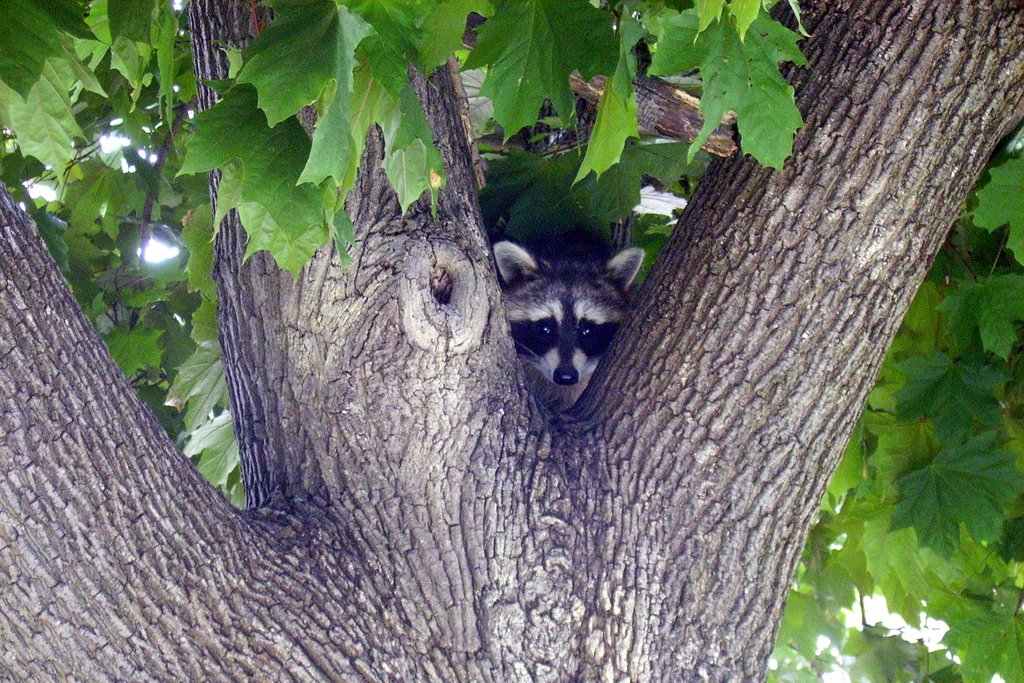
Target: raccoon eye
{"x":545,"y":328}
{"x":586,"y":329}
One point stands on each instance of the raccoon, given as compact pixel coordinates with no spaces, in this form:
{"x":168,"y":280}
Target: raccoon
{"x":563,"y":312}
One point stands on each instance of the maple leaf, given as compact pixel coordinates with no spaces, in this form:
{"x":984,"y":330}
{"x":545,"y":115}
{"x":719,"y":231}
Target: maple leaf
{"x":741,"y":76}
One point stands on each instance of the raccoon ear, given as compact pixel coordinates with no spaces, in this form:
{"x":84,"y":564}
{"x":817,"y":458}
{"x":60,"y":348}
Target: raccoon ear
{"x":514,"y":262}
{"x":624,"y":266}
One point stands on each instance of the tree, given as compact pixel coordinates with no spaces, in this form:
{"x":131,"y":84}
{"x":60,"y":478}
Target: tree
{"x":412,"y":514}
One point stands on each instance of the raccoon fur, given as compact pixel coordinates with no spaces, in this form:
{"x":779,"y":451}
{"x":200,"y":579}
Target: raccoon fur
{"x":563,"y":311}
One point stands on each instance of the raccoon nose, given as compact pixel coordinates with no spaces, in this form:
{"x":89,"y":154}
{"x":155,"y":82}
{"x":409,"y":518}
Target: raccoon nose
{"x":566,"y":375}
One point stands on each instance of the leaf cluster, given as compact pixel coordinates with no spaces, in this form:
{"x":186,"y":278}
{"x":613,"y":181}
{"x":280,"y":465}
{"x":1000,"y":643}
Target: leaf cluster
{"x":95,"y":102}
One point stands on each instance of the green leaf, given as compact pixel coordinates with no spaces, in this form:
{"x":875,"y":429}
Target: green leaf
{"x":217,"y":447}
{"x":310,"y":43}
{"x":533,"y":194}
{"x":197,"y":238}
{"x":130,"y":19}
{"x":344,"y":237}
{"x":135,"y":349}
{"x":43,"y":121}
{"x":900,"y":569}
{"x":744,"y":12}
{"x":900,"y":447}
{"x":881,"y":657}
{"x":851,"y":467}
{"x":1011,"y":541}
{"x":82,"y":73}
{"x":442,"y":30}
{"x":988,"y":309}
{"x":708,"y":11}
{"x":921,"y":324}
{"x":739,"y":76}
{"x":51,"y":230}
{"x":1001,"y":202}
{"x":199,"y":384}
{"x":953,"y":395}
{"x":334,"y":151}
{"x":30,"y":33}
{"x":101,"y":194}
{"x":285,"y":218}
{"x":989,"y":644}
{"x":164,"y":45}
{"x":803,"y":622}
{"x":395,"y":23}
{"x":965,"y":483}
{"x":392,"y":43}
{"x":616,"y":114}
{"x":613,"y":196}
{"x":98,"y":22}
{"x":406,"y":169}
{"x":794,"y":7}
{"x":531,"y":48}
{"x":131,"y":59}
{"x":371,"y":103}
{"x":291,"y":249}
{"x":204,"y":323}
{"x":229,"y":192}
{"x":664,"y":161}
{"x":411,"y":162}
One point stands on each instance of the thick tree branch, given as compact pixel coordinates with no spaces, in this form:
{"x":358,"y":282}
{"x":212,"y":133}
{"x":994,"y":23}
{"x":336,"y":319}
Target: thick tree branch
{"x":119,"y":561}
{"x":762,"y":327}
{"x":94,"y":498}
{"x":391,"y":391}
{"x":666,"y":111}
{"x":251,"y":295}
{"x":429,"y":277}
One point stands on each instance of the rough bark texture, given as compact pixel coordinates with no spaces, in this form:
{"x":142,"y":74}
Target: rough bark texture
{"x":106,"y":536}
{"x":420,"y":518}
{"x":766,"y":319}
{"x":251,"y":295}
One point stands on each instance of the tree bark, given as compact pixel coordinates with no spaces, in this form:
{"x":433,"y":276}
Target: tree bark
{"x":764,"y":324}
{"x":418,"y":517}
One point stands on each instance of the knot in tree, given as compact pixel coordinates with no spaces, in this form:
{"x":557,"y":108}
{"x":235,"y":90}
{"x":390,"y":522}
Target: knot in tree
{"x":444,"y":303}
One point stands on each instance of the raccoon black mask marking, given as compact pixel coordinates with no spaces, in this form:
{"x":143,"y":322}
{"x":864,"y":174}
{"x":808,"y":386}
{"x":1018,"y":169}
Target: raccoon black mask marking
{"x":563,"y":313}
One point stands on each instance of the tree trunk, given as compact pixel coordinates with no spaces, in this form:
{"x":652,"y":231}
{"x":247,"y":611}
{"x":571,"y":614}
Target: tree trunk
{"x":767,"y":317}
{"x":417,"y":516}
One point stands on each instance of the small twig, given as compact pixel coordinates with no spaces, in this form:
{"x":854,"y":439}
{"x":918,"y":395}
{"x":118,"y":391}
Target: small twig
{"x":999,"y":254}
{"x":161,"y":157}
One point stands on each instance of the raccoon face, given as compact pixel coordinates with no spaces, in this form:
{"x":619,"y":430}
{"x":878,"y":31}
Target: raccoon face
{"x":564,"y":313}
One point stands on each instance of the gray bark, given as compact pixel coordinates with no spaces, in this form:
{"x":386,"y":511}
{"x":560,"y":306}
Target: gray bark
{"x":416,"y":516}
